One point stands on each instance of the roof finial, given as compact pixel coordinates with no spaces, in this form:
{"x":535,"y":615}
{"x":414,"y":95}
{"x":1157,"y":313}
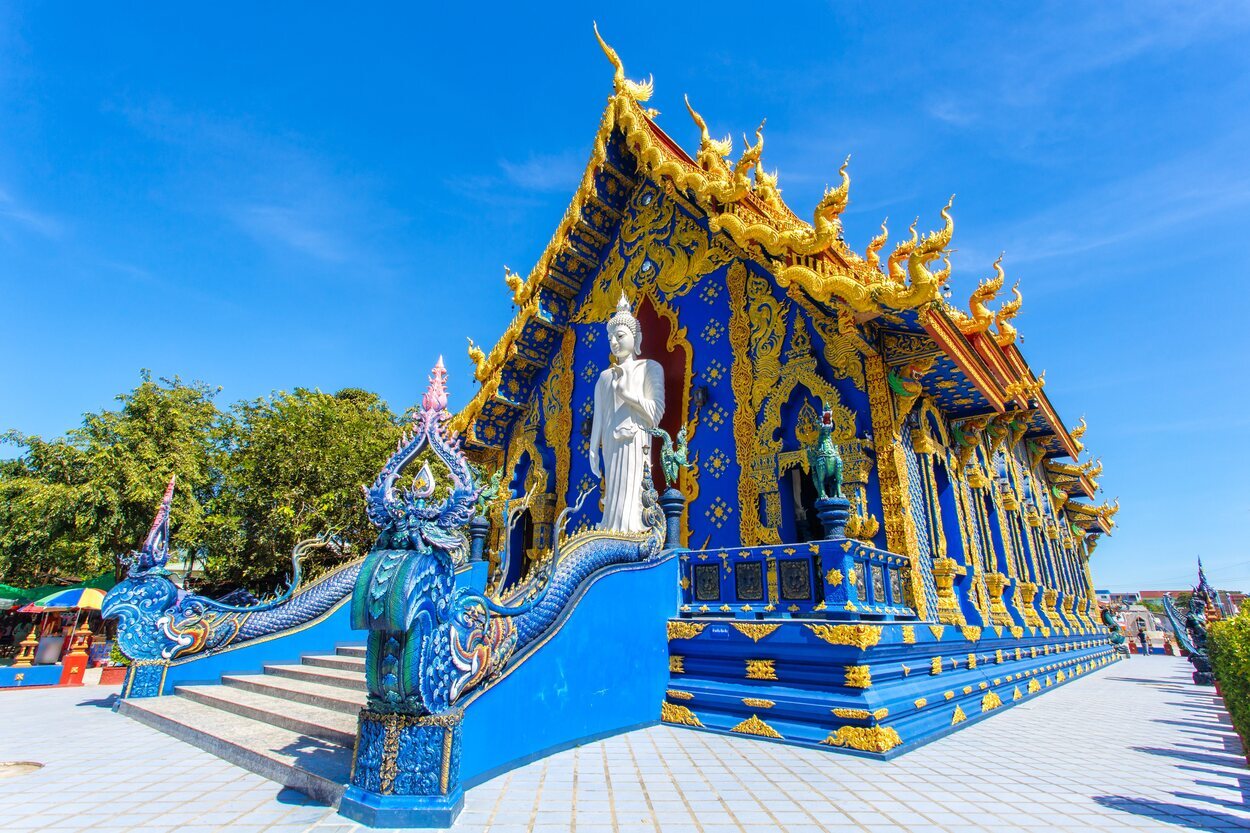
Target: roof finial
{"x":636,"y":91}
{"x":712,"y":152}
{"x":435,"y":398}
{"x":876,"y":244}
{"x":1006,"y":332}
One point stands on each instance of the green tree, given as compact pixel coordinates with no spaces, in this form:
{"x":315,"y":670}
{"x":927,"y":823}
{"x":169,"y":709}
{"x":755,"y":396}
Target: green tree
{"x":70,"y":506}
{"x":293,"y":470}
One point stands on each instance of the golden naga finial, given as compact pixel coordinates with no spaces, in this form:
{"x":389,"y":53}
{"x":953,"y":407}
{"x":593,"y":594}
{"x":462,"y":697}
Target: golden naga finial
{"x":753,"y":153}
{"x":636,"y":91}
{"x":516,"y":283}
{"x":712,"y":152}
{"x":936,"y":241}
{"x":930,"y":247}
{"x":944,"y":274}
{"x":766,"y":185}
{"x":876,"y":244}
{"x":894,"y":264}
{"x":479,"y":361}
{"x":986,"y":291}
{"x":1076,"y":434}
{"x":1093,"y":468}
{"x":1002,"y":319}
{"x":834,"y":202}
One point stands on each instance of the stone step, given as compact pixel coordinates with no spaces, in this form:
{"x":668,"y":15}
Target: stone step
{"x":276,"y":710}
{"x":316,"y":767}
{"x":350,"y":651}
{"x":332,"y":697}
{"x":336,"y":661}
{"x":324,"y":676}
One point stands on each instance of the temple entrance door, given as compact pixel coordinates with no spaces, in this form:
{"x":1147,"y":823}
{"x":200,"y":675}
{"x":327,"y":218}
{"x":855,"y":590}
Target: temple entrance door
{"x":804,"y":522}
{"x":659,"y":345}
{"x":519,"y":545}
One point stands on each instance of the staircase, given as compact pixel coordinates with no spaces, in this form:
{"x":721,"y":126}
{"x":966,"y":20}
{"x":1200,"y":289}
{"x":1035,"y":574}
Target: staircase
{"x":293,"y":724}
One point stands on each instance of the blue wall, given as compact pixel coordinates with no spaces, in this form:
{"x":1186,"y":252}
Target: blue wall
{"x":32,"y":675}
{"x":603,"y":669}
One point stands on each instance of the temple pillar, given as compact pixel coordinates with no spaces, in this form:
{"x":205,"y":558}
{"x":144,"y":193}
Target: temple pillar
{"x":900,"y":531}
{"x":1028,"y":592}
{"x":673,"y":503}
{"x":996,"y":583}
{"x":948,"y":609}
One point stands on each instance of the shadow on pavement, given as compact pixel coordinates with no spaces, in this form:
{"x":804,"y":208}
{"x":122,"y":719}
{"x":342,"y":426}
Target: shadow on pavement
{"x":102,"y":703}
{"x":295,"y":798}
{"x":1214,"y":759}
{"x":1179,"y":814}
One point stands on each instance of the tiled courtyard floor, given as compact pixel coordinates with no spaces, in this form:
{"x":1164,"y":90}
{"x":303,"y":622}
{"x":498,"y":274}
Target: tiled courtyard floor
{"x":1134,"y":746}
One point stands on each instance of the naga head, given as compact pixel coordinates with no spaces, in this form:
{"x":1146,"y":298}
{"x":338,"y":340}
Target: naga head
{"x":408,"y":515}
{"x":835,"y":200}
{"x":876,"y":244}
{"x":712,"y":152}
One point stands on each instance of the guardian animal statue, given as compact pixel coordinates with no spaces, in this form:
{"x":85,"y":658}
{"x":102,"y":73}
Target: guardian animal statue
{"x":673,"y":456}
{"x":157,"y":621}
{"x":825,"y":461}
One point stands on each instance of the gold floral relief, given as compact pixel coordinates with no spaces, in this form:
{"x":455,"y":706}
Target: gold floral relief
{"x":557,"y":405}
{"x":658,"y":246}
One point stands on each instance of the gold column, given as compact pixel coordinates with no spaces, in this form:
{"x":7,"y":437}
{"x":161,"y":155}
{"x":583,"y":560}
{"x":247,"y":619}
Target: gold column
{"x":900,"y":529}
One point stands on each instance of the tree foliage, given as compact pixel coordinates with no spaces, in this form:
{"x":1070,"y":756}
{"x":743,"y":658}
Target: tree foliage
{"x":252,"y":481}
{"x":70,"y":506}
{"x":294,"y":470}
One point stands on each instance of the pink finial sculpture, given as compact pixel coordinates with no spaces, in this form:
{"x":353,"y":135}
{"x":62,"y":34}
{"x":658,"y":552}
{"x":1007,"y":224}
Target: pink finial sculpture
{"x":435,"y":398}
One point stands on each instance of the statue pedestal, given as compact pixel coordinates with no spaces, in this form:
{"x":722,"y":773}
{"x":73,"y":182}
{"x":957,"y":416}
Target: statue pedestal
{"x":833,"y":512}
{"x":406,"y":771}
{"x":673,"y":503}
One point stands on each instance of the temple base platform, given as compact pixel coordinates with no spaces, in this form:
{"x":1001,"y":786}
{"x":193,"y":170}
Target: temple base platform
{"x":875,"y":689}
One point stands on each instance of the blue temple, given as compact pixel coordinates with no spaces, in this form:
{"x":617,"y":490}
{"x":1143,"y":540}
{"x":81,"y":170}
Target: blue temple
{"x":867,"y":525}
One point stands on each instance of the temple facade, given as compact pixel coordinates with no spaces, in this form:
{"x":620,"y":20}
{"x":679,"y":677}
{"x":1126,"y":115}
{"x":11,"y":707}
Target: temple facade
{"x":722,"y":471}
{"x":953,"y":455}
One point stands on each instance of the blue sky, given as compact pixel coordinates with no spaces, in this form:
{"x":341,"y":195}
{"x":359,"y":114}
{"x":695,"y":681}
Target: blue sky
{"x":305,"y":195}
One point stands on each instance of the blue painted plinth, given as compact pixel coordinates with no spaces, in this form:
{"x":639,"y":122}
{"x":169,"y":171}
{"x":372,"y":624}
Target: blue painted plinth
{"x":406,"y":771}
{"x":376,"y":810}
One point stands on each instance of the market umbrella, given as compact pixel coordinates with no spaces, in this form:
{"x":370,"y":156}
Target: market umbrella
{"x":74,"y":598}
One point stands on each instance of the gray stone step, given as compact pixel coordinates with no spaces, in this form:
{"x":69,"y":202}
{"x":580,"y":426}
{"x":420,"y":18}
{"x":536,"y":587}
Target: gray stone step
{"x":323,"y":676}
{"x":333,"y":697}
{"x":351,"y":651}
{"x":341,"y":663}
{"x":314,"y":721}
{"x":316,"y":767}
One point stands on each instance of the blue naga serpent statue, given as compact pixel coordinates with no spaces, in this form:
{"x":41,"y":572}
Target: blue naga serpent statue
{"x":431,"y":641}
{"x":158,"y":621}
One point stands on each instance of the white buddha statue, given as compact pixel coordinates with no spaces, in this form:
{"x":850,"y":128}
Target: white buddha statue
{"x":629,"y":400}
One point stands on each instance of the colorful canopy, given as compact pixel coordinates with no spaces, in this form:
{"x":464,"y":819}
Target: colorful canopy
{"x":80,"y":598}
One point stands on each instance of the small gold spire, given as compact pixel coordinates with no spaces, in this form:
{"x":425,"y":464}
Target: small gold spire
{"x":636,"y":91}
{"x":876,"y":244}
{"x":1002,"y":319}
{"x":712,"y":152}
{"x":986,"y":291}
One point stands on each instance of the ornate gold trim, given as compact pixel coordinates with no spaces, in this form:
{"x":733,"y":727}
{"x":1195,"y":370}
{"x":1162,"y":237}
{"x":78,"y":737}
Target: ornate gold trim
{"x":672,"y":713}
{"x":754,"y":631}
{"x":754,"y":726}
{"x":859,"y":636}
{"x":678,"y":629}
{"x":865,"y":738}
